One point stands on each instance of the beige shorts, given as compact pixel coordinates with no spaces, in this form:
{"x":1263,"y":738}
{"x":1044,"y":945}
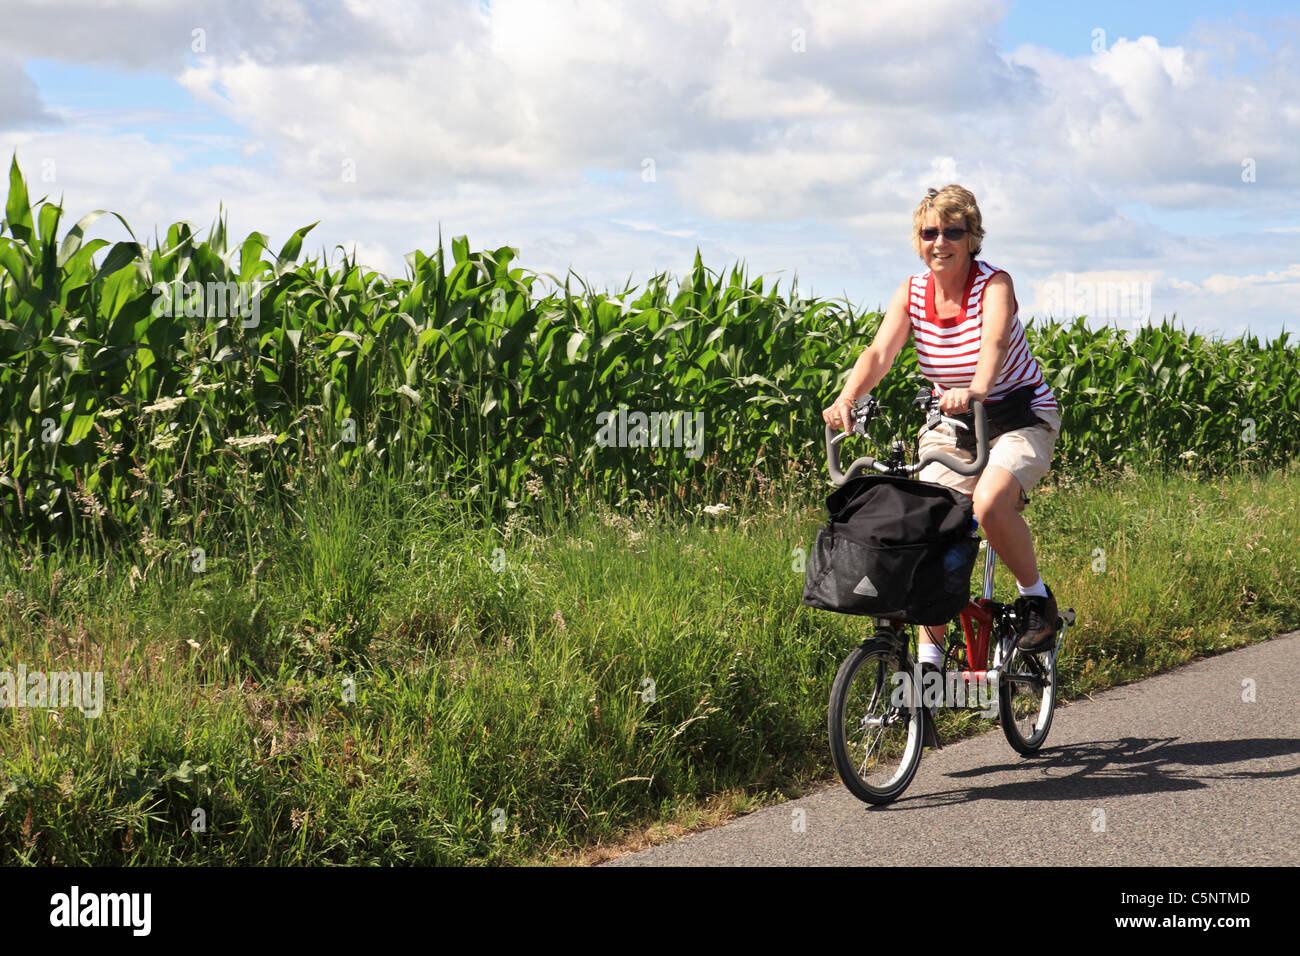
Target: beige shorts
{"x":1025,"y":452}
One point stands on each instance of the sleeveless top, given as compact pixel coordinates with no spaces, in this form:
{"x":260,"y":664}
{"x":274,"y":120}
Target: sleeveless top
{"x":948,"y":349}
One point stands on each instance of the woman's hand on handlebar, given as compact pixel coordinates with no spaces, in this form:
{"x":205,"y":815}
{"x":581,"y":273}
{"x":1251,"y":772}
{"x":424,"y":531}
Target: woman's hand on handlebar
{"x":840,"y":414}
{"x":955,"y":401}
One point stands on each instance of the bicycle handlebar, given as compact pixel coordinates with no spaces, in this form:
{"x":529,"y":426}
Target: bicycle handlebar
{"x":862,"y":410}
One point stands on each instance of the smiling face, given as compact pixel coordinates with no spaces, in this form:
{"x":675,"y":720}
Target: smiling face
{"x":941,"y":254}
{"x":950,"y":206}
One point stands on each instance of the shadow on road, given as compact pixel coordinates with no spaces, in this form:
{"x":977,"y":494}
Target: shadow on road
{"x":1109,"y":768}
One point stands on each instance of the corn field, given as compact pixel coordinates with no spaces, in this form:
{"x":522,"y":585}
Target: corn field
{"x":191,"y":379}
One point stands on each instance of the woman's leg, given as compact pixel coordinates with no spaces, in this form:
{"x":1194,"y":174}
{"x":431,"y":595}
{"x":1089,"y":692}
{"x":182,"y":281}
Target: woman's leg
{"x":999,"y":500}
{"x":930,"y":635}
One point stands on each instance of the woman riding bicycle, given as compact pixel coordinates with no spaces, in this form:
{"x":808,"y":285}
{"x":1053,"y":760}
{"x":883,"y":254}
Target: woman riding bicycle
{"x":963,"y":316}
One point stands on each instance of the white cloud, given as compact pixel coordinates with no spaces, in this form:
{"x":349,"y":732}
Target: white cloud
{"x":20,"y":102}
{"x":793,"y":150}
{"x":1222,"y":302}
{"x":1220,"y":284}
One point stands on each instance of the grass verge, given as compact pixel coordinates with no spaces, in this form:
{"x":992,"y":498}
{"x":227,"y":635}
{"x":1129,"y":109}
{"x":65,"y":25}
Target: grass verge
{"x":386,"y":681}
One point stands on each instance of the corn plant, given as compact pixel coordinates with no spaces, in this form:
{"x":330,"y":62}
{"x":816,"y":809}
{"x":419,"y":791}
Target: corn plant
{"x":137,"y":392}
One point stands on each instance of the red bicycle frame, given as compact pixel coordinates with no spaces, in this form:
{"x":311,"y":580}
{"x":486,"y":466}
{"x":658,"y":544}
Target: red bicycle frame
{"x":977,"y":626}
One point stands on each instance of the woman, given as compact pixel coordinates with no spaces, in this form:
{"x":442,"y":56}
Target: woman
{"x":970,"y":344}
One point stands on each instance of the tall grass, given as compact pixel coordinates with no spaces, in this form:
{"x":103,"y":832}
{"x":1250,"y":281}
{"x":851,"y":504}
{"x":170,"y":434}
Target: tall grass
{"x":531,"y":702}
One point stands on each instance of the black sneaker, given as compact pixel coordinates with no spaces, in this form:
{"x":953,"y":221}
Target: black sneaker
{"x":1036,"y":623}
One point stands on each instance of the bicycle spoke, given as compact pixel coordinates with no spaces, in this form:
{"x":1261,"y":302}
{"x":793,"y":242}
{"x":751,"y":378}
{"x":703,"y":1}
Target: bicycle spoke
{"x":866,"y":758}
{"x":870,"y":746}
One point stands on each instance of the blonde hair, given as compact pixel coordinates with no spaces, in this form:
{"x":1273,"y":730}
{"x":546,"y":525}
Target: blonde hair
{"x":953,"y":204}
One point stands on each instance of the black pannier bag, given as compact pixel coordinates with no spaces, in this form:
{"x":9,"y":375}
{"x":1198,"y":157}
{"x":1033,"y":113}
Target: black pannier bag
{"x":895,"y":548}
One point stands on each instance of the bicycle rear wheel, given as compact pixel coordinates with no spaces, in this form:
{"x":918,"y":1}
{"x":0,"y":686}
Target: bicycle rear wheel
{"x":876,"y":724}
{"x":1027,"y":699}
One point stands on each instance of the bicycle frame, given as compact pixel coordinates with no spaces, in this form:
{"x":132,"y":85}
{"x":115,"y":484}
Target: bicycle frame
{"x":977,"y":621}
{"x":1024,"y":684}
{"x":980,"y":614}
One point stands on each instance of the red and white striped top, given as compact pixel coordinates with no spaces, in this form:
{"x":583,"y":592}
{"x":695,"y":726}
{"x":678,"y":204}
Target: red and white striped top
{"x":948,"y":349}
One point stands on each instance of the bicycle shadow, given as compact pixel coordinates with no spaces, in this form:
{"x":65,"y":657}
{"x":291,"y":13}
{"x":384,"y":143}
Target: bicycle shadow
{"x":1122,"y":767}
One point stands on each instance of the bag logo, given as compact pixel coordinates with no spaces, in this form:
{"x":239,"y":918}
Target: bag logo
{"x":866,"y":587}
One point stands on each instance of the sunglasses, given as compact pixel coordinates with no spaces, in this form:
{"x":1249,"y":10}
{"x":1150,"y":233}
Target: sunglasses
{"x":952,"y":233}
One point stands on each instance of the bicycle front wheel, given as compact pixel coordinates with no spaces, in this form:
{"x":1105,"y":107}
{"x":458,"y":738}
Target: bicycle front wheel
{"x":876,"y":724}
{"x":1027,"y":699}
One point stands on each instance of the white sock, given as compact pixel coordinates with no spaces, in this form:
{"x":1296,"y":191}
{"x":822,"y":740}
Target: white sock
{"x":1037,"y":588}
{"x":930,"y":654}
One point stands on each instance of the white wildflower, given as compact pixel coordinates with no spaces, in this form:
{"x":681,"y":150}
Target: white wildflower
{"x":166,"y":404}
{"x":251,"y":441}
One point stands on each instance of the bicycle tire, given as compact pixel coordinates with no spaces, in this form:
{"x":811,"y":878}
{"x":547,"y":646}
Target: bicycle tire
{"x":1027,"y":699}
{"x":876,"y":769}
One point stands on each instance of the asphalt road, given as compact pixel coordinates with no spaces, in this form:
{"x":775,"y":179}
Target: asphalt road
{"x":1176,"y":770}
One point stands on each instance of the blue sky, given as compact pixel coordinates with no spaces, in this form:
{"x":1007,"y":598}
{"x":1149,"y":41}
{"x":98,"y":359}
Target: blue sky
{"x":530,"y":124}
{"x":1068,"y":28}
